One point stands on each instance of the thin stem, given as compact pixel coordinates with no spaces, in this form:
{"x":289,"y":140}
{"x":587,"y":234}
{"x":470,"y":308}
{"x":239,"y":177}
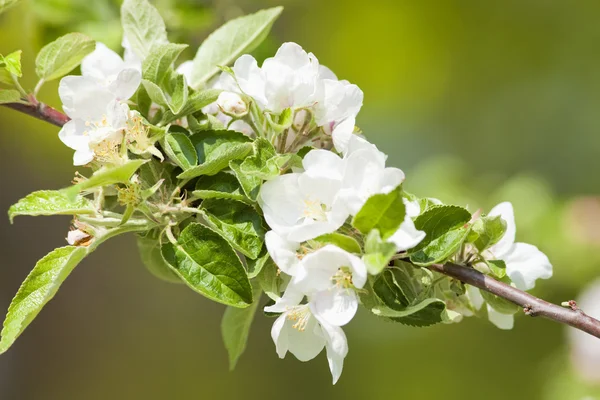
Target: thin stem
{"x":532,"y":305}
{"x":41,"y":111}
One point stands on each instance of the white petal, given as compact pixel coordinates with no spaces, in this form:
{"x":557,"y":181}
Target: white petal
{"x":102,"y":63}
{"x":336,"y":306}
{"x":83,"y":156}
{"x":291,"y":298}
{"x":338,"y":101}
{"x":342,"y":133}
{"x":249,"y":78}
{"x":390,"y":179}
{"x":320,"y":266}
{"x":185,"y":69}
{"x":279,"y":336}
{"x":72,"y":134}
{"x":131,"y":59}
{"x":282,"y":202}
{"x":504,"y":210}
{"x":413,"y":209}
{"x":311,"y":229}
{"x":283,"y":252}
{"x":323,"y":163}
{"x":305,"y":344}
{"x":475,"y":296}
{"x":75,"y":236}
{"x":117,"y":114}
{"x":238,"y":125}
{"x":82,"y":98}
{"x":126,"y":83}
{"x":525,"y":263}
{"x":337,"y":349}
{"x":326,"y":73}
{"x":502,"y":321}
{"x":407,"y":236}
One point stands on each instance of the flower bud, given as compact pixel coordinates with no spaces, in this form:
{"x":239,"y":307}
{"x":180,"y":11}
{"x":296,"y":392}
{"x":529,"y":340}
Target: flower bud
{"x":78,"y":237}
{"x":232,"y":104}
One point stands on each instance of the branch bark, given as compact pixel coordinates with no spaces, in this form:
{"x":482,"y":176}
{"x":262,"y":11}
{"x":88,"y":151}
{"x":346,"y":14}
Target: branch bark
{"x":41,"y":111}
{"x":532,"y":305}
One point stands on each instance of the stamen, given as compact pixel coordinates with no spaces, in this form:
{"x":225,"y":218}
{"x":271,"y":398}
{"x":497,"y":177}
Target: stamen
{"x":300,"y":314}
{"x":343,"y":278}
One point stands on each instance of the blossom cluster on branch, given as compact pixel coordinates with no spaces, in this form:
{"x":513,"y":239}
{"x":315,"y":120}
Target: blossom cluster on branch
{"x":246,"y":180}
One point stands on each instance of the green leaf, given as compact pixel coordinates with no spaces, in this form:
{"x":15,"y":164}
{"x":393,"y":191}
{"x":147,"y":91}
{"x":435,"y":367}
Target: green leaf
{"x":337,"y":239}
{"x":255,"y":266}
{"x":250,"y":184}
{"x":498,"y":267}
{"x":107,"y":176}
{"x":60,"y":57}
{"x":488,"y":230}
{"x":389,"y":291}
{"x":143,"y":26}
{"x":180,"y":95}
{"x":6,"y":4}
{"x":284,"y":120}
{"x":235,"y":328}
{"x":194,"y":104}
{"x":12,"y":63}
{"x":155,"y":93}
{"x":427,"y":312}
{"x":50,"y":202}
{"x":215,"y":149}
{"x":270,"y":280}
{"x":154,"y":171}
{"x":159,"y":61}
{"x":238,"y":223}
{"x":6,"y":77}
{"x":378,"y":253}
{"x":149,"y":249}
{"x":180,"y":150}
{"x":220,"y":186}
{"x":9,"y":96}
{"x":209,"y":266}
{"x":499,"y":304}
{"x":236,"y":37}
{"x":261,"y":164}
{"x":384,"y":212}
{"x":39,"y":288}
{"x":446,"y":228}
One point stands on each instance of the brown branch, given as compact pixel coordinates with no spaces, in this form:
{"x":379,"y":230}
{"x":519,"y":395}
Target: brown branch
{"x":532,"y":305}
{"x":40,"y":111}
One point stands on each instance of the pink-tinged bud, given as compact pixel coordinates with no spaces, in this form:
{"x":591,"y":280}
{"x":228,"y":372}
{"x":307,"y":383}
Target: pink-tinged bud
{"x":232,"y":104}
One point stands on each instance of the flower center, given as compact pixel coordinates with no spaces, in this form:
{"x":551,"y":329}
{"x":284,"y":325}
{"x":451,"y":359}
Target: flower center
{"x":301,"y":316}
{"x":314,"y":209}
{"x":343,"y":278}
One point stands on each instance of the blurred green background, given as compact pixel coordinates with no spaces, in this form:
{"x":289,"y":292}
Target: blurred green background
{"x":478,"y":101}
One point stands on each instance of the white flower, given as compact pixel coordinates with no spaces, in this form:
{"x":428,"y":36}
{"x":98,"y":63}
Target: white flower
{"x":501,"y":320}
{"x":283,"y":252}
{"x":302,"y":206}
{"x":524,"y":262}
{"x":119,"y":77}
{"x":232,"y":104}
{"x":337,"y":100}
{"x":95,"y":133}
{"x":300,"y":332}
{"x":185,"y":69}
{"x":76,"y":237}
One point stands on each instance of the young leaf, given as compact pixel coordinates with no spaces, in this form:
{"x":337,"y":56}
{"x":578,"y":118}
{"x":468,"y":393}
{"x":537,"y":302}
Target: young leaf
{"x":446,"y":228}
{"x":238,"y":223}
{"x":209,"y":266}
{"x":143,"y":26}
{"x":378,"y":253}
{"x":235,"y":328}
{"x":6,"y":4}
{"x":160,"y":60}
{"x":255,"y":266}
{"x":384,"y":211}
{"x":180,"y":150}
{"x":39,"y":288}
{"x":12,"y":63}
{"x":342,"y":241}
{"x":106,"y":176}
{"x":195,"y":103}
{"x":270,"y":280}
{"x":149,"y":249}
{"x":215,"y":149}
{"x":499,"y":304}
{"x":389,"y":291}
{"x":155,"y":93}
{"x":498,"y":267}
{"x":9,"y":96}
{"x":50,"y":202}
{"x":261,"y":164}
{"x":60,"y":57}
{"x":236,"y":37}
{"x":488,"y":230}
{"x":220,"y":186}
{"x":6,"y":77}
{"x":180,"y":95}
{"x":427,"y":312}
{"x":250,"y":184}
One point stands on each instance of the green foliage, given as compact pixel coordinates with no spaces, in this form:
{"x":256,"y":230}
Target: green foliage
{"x":180,"y":150}
{"x":9,"y":96}
{"x":223,"y":185}
{"x":250,"y":184}
{"x":143,"y":26}
{"x":209,"y":266}
{"x":12,"y":63}
{"x":6,"y":4}
{"x":265,"y":163}
{"x":384,"y":212}
{"x":39,"y":288}
{"x":180,"y":95}
{"x":236,"y":37}
{"x":149,"y":249}
{"x":237,"y":222}
{"x":195,"y":103}
{"x":499,"y":304}
{"x":337,"y":239}
{"x":425,"y":313}
{"x":215,"y":149}
{"x":235,"y":327}
{"x":50,"y":202}
{"x":160,"y":60}
{"x":446,"y":228}
{"x":106,"y":176}
{"x":60,"y":57}
{"x":270,"y":280}
{"x":155,"y":93}
{"x":378,"y":253}
{"x":487,"y":231}
{"x":254,"y":267}
{"x":498,"y":267}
